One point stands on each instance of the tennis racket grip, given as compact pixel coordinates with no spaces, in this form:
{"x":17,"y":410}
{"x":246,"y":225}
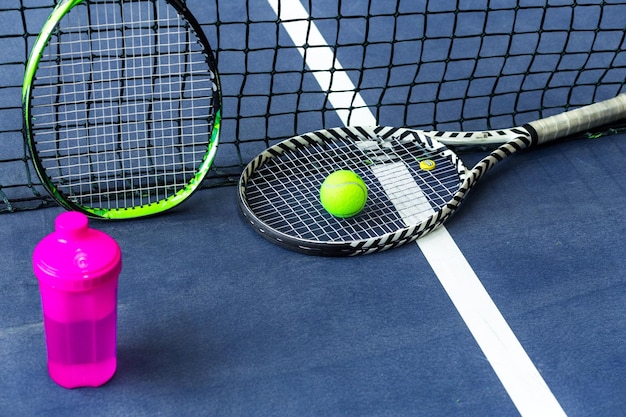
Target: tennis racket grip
{"x":578,"y":120}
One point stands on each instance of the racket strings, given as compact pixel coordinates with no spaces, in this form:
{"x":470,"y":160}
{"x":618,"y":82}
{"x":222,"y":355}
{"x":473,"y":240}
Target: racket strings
{"x":122,"y":104}
{"x":283,"y":193}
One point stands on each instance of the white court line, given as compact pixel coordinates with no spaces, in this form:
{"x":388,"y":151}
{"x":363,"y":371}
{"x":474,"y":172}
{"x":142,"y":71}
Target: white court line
{"x":509,"y":360}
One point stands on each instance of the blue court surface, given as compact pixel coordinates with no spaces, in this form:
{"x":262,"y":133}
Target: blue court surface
{"x":517,"y":307}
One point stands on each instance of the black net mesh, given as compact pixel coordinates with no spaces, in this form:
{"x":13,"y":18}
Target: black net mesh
{"x":446,"y":65}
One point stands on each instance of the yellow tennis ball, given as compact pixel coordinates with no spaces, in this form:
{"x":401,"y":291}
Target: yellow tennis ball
{"x":343,"y":194}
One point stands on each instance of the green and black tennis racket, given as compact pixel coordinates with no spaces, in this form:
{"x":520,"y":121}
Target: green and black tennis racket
{"x":121,"y":103}
{"x":415,"y":182}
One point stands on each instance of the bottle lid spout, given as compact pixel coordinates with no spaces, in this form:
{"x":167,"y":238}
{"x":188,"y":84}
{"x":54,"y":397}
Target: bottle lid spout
{"x":71,"y":224}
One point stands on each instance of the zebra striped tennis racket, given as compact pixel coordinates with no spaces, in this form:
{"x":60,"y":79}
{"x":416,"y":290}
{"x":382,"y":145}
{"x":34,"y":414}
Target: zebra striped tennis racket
{"x":121,"y":102}
{"x":415,"y":182}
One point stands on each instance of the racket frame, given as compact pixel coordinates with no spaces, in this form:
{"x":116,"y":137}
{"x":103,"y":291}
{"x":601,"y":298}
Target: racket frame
{"x":534,"y":133}
{"x":61,"y":10}
{"x":355,"y":247}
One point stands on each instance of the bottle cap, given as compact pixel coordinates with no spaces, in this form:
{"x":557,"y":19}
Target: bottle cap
{"x":75,"y":257}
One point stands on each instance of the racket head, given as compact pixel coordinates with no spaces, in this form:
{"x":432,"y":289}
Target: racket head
{"x":279,"y":190}
{"x":122,"y":106}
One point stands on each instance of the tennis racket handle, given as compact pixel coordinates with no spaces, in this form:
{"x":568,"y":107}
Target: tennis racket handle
{"x":580,"y":120}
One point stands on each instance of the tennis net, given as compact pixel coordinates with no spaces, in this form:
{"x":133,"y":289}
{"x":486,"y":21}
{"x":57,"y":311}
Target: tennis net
{"x":446,"y":65}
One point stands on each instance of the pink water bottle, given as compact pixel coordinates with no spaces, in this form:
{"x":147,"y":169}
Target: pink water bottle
{"x":77,"y":268}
